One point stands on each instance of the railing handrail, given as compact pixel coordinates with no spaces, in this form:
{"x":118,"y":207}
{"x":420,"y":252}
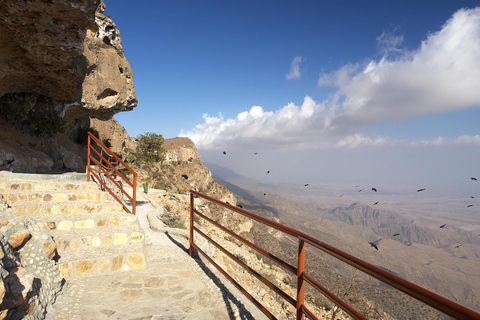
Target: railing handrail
{"x":425,"y":296}
{"x":110,"y":165}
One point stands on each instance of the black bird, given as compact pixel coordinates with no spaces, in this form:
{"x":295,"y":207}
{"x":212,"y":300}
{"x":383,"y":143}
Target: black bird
{"x":375,"y":203}
{"x":268,"y":171}
{"x":354,"y":204}
{"x":359,"y":190}
{"x":256,"y":153}
{"x":419,"y":190}
{"x":224,"y":152}
{"x":184,"y":176}
{"x":306,"y":185}
{"x":396,"y":234}
{"x":374,"y":189}
{"x":474,"y":179}
{"x":470,"y":205}
{"x":443,"y":225}
{"x":375,"y":243}
{"x":240,"y":206}
{"x":264,"y":194}
{"x":457,"y":246}
{"x":341,"y":195}
{"x":472,"y":197}
{"x":357,"y":186}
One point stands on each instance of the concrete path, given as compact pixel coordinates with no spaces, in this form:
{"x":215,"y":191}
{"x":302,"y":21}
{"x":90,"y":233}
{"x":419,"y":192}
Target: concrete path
{"x":171,"y":286}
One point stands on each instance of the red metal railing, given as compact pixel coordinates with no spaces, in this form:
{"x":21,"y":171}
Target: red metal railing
{"x":107,"y":163}
{"x":434,"y":300}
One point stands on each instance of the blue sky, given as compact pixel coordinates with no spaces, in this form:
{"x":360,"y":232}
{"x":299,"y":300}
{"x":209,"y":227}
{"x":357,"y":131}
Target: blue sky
{"x":306,"y":75}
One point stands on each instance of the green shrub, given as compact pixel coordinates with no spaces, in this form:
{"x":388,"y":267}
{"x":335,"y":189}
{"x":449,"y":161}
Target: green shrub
{"x":149,"y":148}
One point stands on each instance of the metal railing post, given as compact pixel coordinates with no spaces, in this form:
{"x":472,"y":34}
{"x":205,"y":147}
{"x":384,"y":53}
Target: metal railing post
{"x":88,"y":159}
{"x":191,"y":225}
{"x":134,"y":195}
{"x":300,"y":280}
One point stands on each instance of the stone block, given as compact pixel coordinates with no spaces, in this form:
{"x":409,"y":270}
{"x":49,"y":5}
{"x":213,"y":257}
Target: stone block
{"x":136,"y":260}
{"x":136,"y":237}
{"x":55,"y":209}
{"x":106,"y":240}
{"x":71,"y":186}
{"x":84,"y":267}
{"x":101,"y":223}
{"x":76,"y":209}
{"x":85,"y":224}
{"x":47,"y":197}
{"x":51,"y":225}
{"x":105,"y":196}
{"x":114,"y":221}
{"x":117,"y":263}
{"x":65,"y":225}
{"x":19,"y":238}
{"x":88,"y":208}
{"x":20,"y":210}
{"x":15,"y":186}
{"x":87,"y":241}
{"x":26,"y":186}
{"x":65,"y":209}
{"x":66,"y":269}
{"x":75,"y":243}
{"x":60,"y":196}
{"x":3,"y":186}
{"x":120,"y":238}
{"x":103,"y":265}
{"x":12,"y":197}
{"x":39,"y":187}
{"x":22,"y":197}
{"x":72,"y":197}
{"x":96,"y":242}
{"x":82,"y":196}
{"x":129,"y":219}
{"x":130,"y":293}
{"x":30,"y":209}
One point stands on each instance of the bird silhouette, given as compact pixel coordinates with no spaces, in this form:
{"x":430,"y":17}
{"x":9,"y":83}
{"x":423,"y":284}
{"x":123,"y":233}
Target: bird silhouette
{"x":264,"y":194}
{"x":224,"y":152}
{"x":184,"y":176}
{"x":443,"y":225}
{"x":359,"y":190}
{"x":457,"y":246}
{"x":396,"y":234}
{"x":240,"y":206}
{"x":472,"y":197}
{"x":474,"y":179}
{"x":354,"y":204}
{"x":419,"y":190}
{"x":374,"y":244}
{"x":306,"y":185}
{"x":341,"y":195}
{"x":374,"y":189}
{"x":268,"y":171}
{"x":375,"y":203}
{"x":470,"y":205}
{"x":357,"y":186}
{"x":256,"y":153}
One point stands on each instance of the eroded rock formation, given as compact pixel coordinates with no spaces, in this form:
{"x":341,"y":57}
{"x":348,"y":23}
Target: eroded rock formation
{"x":61,"y":63}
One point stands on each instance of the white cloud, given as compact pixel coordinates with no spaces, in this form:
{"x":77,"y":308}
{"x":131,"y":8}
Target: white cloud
{"x":443,"y":74}
{"x":295,"y":68}
{"x":388,"y":42}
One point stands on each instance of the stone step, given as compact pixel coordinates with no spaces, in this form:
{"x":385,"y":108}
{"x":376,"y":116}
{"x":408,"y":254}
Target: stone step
{"x":13,"y":197}
{"x":113,"y":237}
{"x":95,"y":261}
{"x":71,"y":222}
{"x":37,"y":209}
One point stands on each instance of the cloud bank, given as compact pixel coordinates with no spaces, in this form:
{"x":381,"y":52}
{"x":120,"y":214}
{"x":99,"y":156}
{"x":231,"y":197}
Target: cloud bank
{"x":443,"y":74}
{"x":295,"y":68}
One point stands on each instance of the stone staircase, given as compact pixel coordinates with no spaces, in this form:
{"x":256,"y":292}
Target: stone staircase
{"x":93,"y":234}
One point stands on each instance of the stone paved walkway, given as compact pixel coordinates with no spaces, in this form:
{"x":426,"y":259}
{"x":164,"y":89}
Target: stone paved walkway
{"x":171,"y":286}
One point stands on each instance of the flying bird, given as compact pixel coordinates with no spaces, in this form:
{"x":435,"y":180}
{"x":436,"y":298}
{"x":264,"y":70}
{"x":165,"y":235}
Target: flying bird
{"x":306,"y":185}
{"x":268,"y":171}
{"x":256,"y":153}
{"x":354,"y":204}
{"x":457,"y":246}
{"x":474,"y":179}
{"x":374,"y":189}
{"x":375,"y":203}
{"x":357,"y":186}
{"x":341,"y":195}
{"x":419,"y":190}
{"x":264,"y":194}
{"x":443,"y":225}
{"x":472,"y":197}
{"x":224,"y":152}
{"x":396,"y":234}
{"x":184,"y":176}
{"x":374,"y":244}
{"x":470,"y":205}
{"x":359,"y":190}
{"x":240,"y":206}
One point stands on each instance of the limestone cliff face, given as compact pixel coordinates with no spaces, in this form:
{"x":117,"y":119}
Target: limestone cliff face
{"x":61,"y":64}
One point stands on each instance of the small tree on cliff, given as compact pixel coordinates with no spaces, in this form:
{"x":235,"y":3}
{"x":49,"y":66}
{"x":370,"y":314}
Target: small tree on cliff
{"x":149,"y":148}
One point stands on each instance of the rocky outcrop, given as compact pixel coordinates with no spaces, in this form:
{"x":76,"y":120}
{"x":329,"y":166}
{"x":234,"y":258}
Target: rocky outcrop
{"x":61,"y":63}
{"x":29,"y":278}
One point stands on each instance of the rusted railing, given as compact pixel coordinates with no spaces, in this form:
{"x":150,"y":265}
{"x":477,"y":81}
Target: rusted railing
{"x":434,"y":300}
{"x":107,"y":163}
